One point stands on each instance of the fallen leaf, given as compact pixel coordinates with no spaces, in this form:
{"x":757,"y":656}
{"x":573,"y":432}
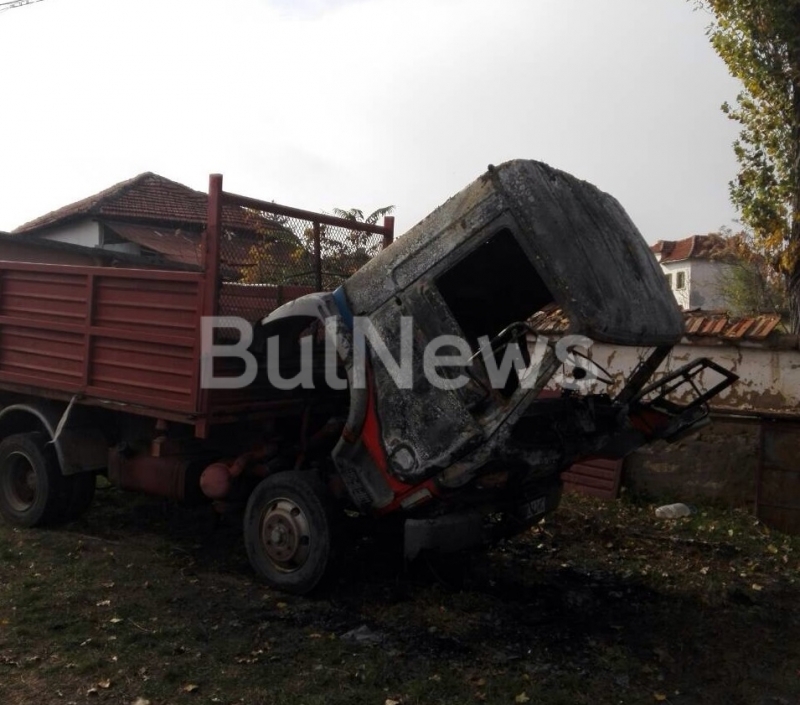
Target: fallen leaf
{"x":389,"y":701}
{"x":104,"y":603}
{"x":435,"y":677}
{"x":281,"y":605}
{"x":104,"y":684}
{"x":772,"y":548}
{"x":659,"y":697}
{"x":115,"y":620}
{"x":140,"y":701}
{"x":190,"y":688}
{"x":757,"y":587}
{"x":91,"y":691}
{"x":522,"y":698}
{"x":704,"y":570}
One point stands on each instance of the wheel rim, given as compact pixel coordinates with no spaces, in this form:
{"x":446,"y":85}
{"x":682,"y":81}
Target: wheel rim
{"x":286,"y":535}
{"x":19,"y":482}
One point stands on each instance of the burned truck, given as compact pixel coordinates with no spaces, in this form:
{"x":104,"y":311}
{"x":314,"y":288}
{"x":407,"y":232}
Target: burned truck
{"x":414,"y":390}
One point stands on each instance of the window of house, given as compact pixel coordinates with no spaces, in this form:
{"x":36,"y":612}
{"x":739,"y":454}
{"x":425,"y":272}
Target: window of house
{"x":680,"y":280}
{"x":669,"y":280}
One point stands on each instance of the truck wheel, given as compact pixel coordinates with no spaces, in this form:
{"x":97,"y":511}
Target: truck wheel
{"x":288,"y":531}
{"x":33,"y":491}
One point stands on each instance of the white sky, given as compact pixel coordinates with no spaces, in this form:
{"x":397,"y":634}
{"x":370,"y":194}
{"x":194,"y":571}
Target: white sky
{"x":364,"y":103}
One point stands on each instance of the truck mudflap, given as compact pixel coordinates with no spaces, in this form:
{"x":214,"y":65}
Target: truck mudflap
{"x":462,"y":530}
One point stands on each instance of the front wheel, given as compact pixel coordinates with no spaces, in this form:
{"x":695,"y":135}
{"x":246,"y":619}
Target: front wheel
{"x":289,"y":531}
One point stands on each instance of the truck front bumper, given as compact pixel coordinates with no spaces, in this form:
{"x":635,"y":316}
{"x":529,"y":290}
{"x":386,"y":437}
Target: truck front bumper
{"x":461,"y":530}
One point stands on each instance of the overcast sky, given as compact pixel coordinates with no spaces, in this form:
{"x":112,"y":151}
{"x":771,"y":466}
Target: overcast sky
{"x":364,"y":103}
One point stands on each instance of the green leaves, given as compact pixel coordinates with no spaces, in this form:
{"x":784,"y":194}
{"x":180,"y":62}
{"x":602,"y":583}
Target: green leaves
{"x":759,"y":41}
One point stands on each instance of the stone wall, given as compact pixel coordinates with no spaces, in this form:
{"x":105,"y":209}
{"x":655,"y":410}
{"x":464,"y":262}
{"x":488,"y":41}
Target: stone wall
{"x":717,"y":464}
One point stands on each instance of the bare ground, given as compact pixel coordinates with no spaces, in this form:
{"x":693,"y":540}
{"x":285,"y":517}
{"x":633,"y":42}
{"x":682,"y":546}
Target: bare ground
{"x":603,"y":603}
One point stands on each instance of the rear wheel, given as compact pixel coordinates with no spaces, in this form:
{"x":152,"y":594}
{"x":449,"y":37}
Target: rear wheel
{"x":33,"y":491}
{"x":289,"y":530}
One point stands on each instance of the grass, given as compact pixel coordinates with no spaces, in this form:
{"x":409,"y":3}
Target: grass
{"x":603,"y":603}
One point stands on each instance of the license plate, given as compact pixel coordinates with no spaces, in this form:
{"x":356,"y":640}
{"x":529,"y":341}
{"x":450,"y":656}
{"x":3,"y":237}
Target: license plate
{"x":533,"y":508}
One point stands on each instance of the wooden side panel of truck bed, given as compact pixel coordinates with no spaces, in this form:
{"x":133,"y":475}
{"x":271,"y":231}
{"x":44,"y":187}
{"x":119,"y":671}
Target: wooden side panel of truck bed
{"x":120,"y":335}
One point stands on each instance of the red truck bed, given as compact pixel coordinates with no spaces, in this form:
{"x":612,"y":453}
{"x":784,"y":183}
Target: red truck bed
{"x":130,"y":338}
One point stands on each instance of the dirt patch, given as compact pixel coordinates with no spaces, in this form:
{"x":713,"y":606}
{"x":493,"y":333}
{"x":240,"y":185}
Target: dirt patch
{"x":603,"y":603}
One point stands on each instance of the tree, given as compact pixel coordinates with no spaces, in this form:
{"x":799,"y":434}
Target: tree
{"x":749,"y":285}
{"x":286,"y":254}
{"x":759,"y":40}
{"x":357,"y":216}
{"x":344,"y":253}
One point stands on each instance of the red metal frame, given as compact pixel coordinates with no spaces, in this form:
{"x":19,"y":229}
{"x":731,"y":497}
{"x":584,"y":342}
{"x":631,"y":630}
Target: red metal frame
{"x":218,"y":200}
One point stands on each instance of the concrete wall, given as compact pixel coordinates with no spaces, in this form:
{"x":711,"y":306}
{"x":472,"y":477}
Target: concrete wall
{"x":720,"y":461}
{"x":85,"y":233}
{"x":769,"y":374}
{"x":718,"y":464}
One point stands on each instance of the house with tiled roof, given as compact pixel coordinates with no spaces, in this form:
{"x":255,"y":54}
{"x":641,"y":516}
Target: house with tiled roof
{"x":161,"y":221}
{"x":694,"y":268}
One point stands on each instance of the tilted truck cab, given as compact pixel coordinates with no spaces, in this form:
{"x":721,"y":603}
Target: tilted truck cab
{"x":422,"y":387}
{"x":521,"y":237}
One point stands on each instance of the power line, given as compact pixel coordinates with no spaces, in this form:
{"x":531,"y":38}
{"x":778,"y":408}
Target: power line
{"x":11,"y":4}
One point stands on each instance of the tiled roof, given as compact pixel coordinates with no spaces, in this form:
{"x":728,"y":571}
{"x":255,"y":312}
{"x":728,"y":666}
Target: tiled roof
{"x":720,"y":325}
{"x":552,"y":320}
{"x":711,"y":246}
{"x":147,"y":197}
{"x":174,"y":244}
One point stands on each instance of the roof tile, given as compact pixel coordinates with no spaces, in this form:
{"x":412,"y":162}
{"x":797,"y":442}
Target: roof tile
{"x":147,"y":197}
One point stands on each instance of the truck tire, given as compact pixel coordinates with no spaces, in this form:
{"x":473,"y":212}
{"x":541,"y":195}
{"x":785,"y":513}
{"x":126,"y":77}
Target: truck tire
{"x":289,"y":529}
{"x":33,"y":492}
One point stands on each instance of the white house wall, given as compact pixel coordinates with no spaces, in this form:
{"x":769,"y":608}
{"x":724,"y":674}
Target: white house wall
{"x":681,"y":295}
{"x":84,"y":232}
{"x":707,"y":276}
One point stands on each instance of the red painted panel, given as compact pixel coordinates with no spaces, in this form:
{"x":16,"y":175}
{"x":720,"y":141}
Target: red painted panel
{"x":50,"y":357}
{"x":598,"y":477}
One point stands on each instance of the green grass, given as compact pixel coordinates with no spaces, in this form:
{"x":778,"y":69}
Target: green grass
{"x":603,"y":603}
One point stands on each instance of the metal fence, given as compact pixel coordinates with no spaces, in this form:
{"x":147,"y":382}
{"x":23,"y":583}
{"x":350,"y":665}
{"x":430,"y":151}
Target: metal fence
{"x":259,"y":255}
